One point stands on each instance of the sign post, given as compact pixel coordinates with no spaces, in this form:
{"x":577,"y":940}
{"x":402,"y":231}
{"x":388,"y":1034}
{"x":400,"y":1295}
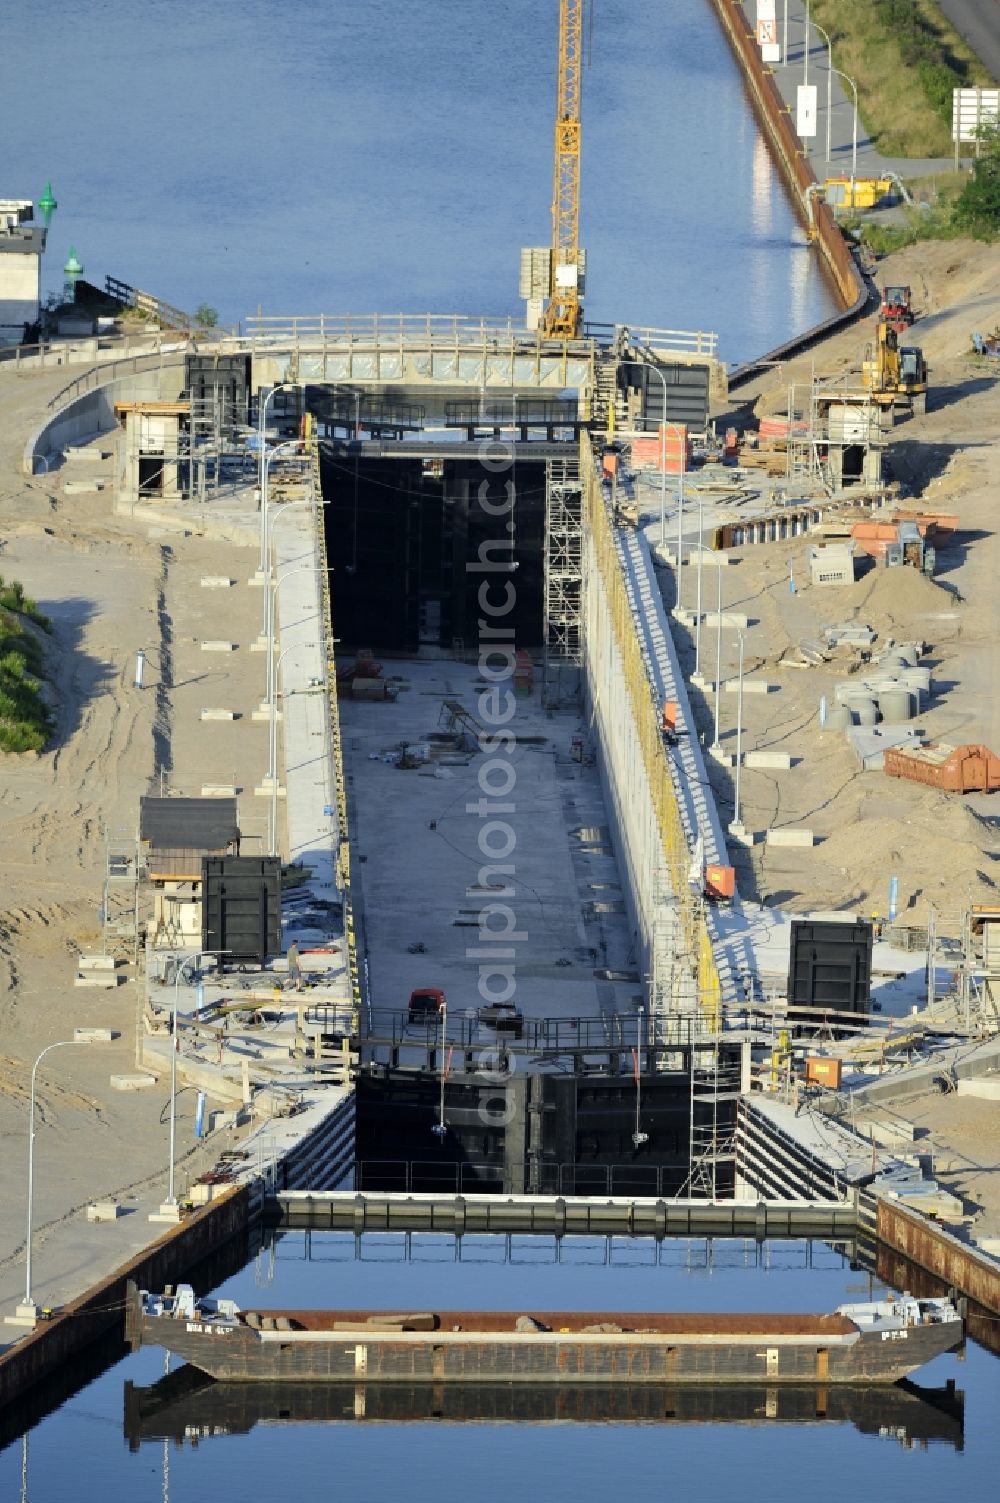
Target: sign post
{"x":805,"y":111}
{"x":767,"y":31}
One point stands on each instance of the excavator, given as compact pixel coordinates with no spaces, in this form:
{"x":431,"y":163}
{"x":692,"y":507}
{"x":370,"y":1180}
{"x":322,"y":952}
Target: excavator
{"x":896,"y":377}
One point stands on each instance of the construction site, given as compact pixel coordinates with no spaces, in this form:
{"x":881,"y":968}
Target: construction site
{"x":552,"y":766}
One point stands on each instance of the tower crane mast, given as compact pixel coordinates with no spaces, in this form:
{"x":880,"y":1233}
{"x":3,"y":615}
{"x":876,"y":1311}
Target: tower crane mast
{"x":563,"y":311}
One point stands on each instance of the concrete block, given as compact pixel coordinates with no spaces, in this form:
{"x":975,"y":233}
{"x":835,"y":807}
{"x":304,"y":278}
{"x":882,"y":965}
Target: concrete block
{"x":982,"y":1087}
{"x":219,"y":790}
{"x":82,"y":487}
{"x":739,"y":832}
{"x":25,"y":1316}
{"x":218,"y":1121}
{"x":723,"y":758}
{"x":790,"y":838}
{"x":103,"y":980}
{"x":218,"y":714}
{"x":218,"y":646}
{"x":200,"y":1195}
{"x":264,"y":789}
{"x":167,"y":1213}
{"x":95,"y":1035}
{"x":750,"y":686}
{"x":733,"y":619}
{"x":264,"y":714}
{"x":779,"y":761}
{"x":103,"y":1210}
{"x":97,"y":963}
{"x":132,"y":1082}
{"x":216,"y":582}
{"x":259,"y":644}
{"x":256,"y":581}
{"x":698,"y":679}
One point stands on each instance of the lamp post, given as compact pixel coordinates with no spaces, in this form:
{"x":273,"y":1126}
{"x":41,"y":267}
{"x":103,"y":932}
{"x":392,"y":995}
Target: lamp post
{"x":272,"y":771}
{"x":718,"y":661}
{"x":736,"y":828}
{"x":29,"y":1310}
{"x":171,"y":1200}
{"x":697,"y":608}
{"x":854,"y":135}
{"x":262,"y":402}
{"x":829,"y":82}
{"x":663,"y":447}
{"x":270,"y":596}
{"x":439,"y":1129}
{"x":265,"y":526}
{"x":805,"y":51}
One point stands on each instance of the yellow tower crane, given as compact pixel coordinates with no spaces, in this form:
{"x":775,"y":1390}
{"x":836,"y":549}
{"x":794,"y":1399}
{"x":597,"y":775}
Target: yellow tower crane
{"x":563,"y":312}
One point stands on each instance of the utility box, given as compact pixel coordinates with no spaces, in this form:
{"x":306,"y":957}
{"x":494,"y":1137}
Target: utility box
{"x":824,"y":1071}
{"x":831,"y":564}
{"x":241,"y":907}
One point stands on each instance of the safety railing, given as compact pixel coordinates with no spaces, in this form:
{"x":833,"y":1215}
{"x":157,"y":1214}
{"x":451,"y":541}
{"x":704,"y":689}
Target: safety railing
{"x":658,"y":766}
{"x":343,"y":856}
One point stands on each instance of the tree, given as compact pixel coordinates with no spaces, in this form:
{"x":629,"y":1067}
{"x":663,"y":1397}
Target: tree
{"x":205,"y":316}
{"x":977,"y":208}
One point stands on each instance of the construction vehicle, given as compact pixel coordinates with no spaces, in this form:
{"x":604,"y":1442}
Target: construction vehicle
{"x":896,"y":309}
{"x":563,"y":312}
{"x":895,"y":377}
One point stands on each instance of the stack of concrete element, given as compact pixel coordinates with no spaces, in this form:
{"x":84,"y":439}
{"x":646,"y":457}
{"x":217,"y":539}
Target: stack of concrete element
{"x":87,"y":469}
{"x":97,"y":971}
{"x":831,"y":564}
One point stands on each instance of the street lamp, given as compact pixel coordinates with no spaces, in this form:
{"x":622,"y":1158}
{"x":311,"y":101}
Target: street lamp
{"x":697,"y":609}
{"x":736,"y":828}
{"x":663,"y":448}
{"x":171,"y":1200}
{"x":854,"y":136}
{"x":28,"y":1311}
{"x":265,"y":529}
{"x":829,"y":82}
{"x":718,"y":660}
{"x":262,"y":402}
{"x":273,"y":748}
{"x":805,"y":51}
{"x":439,"y":1129}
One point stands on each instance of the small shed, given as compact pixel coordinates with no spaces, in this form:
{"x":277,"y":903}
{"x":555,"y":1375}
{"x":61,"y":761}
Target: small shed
{"x":177,"y":833}
{"x":831,"y":564}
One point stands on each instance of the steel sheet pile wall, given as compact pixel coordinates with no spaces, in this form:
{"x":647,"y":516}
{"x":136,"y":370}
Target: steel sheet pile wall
{"x":927,"y":1244}
{"x":637,"y":773}
{"x":775,"y":117}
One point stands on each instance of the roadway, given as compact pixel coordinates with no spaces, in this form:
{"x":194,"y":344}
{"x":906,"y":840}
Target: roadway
{"x":978,"y":22}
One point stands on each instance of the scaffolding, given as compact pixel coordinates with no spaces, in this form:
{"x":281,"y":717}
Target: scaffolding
{"x":120,"y":897}
{"x":715,"y":1089}
{"x":826,"y":424}
{"x":563,"y":583}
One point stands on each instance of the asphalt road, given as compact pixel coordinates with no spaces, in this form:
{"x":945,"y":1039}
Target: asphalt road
{"x":978,"y":21}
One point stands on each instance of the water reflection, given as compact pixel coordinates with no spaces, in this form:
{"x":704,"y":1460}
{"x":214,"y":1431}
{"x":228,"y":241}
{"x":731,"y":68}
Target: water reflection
{"x":188,"y":1406}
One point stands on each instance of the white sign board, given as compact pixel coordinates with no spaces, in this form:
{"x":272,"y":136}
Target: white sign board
{"x":767,"y":31}
{"x":805,"y":110}
{"x":971,"y":109}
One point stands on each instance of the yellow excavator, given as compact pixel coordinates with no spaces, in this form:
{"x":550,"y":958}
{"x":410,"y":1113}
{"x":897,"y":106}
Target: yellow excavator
{"x":895,"y":377}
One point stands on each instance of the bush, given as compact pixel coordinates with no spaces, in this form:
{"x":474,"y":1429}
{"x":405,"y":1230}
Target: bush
{"x":25,"y":722}
{"x":977,"y":208}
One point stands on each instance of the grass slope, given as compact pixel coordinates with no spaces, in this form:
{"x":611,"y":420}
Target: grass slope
{"x":25,"y":723}
{"x":905,"y":59}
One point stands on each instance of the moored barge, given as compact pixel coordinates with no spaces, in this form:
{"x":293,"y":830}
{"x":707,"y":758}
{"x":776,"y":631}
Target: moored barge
{"x":879,"y":1342}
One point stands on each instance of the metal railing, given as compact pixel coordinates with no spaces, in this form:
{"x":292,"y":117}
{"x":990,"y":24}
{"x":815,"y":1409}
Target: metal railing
{"x":658,"y":766}
{"x":114,"y":370}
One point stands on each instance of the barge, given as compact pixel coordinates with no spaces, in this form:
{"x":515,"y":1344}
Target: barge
{"x":879,"y":1342}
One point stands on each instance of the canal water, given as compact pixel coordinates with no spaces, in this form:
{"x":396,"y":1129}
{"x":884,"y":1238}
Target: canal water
{"x":891,"y":1447}
{"x":325,"y":155}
